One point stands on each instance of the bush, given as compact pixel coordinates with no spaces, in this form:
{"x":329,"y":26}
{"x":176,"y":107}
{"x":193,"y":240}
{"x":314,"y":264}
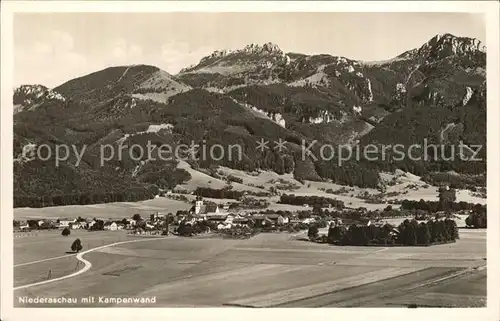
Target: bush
{"x":185,"y":229}
{"x":235,"y":179}
{"x":66,"y":232}
{"x":312,"y":233}
{"x":76,"y":246}
{"x":476,"y":220}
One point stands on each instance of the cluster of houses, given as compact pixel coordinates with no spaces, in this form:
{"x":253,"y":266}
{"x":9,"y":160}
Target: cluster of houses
{"x":223,"y":219}
{"x":75,"y":224}
{"x":219,"y":215}
{"x":214,"y":213}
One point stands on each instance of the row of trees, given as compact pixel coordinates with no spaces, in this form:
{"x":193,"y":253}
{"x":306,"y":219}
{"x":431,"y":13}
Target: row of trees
{"x":408,"y":233}
{"x":455,"y":181}
{"x":317,"y":201}
{"x":218,"y":193}
{"x":436,"y":206}
{"x":82,"y":199}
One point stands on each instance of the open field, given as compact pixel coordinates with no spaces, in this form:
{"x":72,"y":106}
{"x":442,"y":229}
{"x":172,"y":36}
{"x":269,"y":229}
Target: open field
{"x":199,"y":179}
{"x":35,"y":256}
{"x":266,"y":270}
{"x":51,"y":243}
{"x":466,"y":291}
{"x":102,"y":211}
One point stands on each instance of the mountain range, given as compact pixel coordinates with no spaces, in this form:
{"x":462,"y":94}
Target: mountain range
{"x":436,"y":92}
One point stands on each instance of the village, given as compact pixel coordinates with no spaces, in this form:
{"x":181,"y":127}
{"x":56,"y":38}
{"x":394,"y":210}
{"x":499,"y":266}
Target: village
{"x":212,"y":215}
{"x":229,"y":220}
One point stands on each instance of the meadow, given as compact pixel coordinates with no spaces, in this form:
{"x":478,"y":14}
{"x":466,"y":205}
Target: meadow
{"x":267,"y":270}
{"x":102,"y":211}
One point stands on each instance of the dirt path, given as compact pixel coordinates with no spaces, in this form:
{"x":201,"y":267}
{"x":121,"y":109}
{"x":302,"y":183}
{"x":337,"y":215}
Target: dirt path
{"x":79,"y":257}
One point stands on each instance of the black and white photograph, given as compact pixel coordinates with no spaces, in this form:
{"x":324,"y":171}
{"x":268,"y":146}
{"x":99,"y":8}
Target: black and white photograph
{"x":281,"y":159}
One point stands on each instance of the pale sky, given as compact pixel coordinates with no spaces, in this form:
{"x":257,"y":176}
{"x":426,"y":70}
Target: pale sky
{"x":51,"y":48}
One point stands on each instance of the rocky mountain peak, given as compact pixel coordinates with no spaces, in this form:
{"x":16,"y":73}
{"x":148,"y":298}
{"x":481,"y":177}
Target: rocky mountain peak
{"x":28,"y":94}
{"x":266,"y":53}
{"x":444,"y":45}
{"x":267,"y":48}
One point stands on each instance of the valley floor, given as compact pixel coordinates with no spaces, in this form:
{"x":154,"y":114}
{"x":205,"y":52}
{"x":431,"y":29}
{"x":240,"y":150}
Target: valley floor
{"x":268,"y":270}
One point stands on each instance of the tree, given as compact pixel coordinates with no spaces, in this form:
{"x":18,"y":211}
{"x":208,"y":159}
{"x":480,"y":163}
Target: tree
{"x":335,"y":233}
{"x":317,"y":209}
{"x":452,"y":228}
{"x":477,"y":220}
{"x":424,"y":234}
{"x":137,"y":217}
{"x":66,"y":232}
{"x":76,"y":246}
{"x":447,"y":195}
{"x":312,"y":232}
{"x":185,"y":229}
{"x":304,"y":214}
{"x":98,"y":226}
{"x":412,"y":233}
{"x":468,"y":220}
{"x":169,"y":219}
{"x":33,"y":224}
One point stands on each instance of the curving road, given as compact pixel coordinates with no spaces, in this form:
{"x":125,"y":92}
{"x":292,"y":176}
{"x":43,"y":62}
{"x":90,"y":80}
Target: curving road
{"x":80,"y":258}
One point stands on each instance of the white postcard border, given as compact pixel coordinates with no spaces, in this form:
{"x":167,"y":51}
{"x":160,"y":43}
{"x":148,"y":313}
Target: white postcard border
{"x":490,"y":8}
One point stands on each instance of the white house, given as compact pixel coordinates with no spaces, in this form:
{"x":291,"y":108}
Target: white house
{"x":309,"y":220}
{"x":65,"y":223}
{"x":78,"y":225}
{"x":91,"y":223}
{"x":223,"y":226}
{"x":110,"y":226}
{"x":24,"y":226}
{"x":278,"y":219}
{"x":229,"y":219}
